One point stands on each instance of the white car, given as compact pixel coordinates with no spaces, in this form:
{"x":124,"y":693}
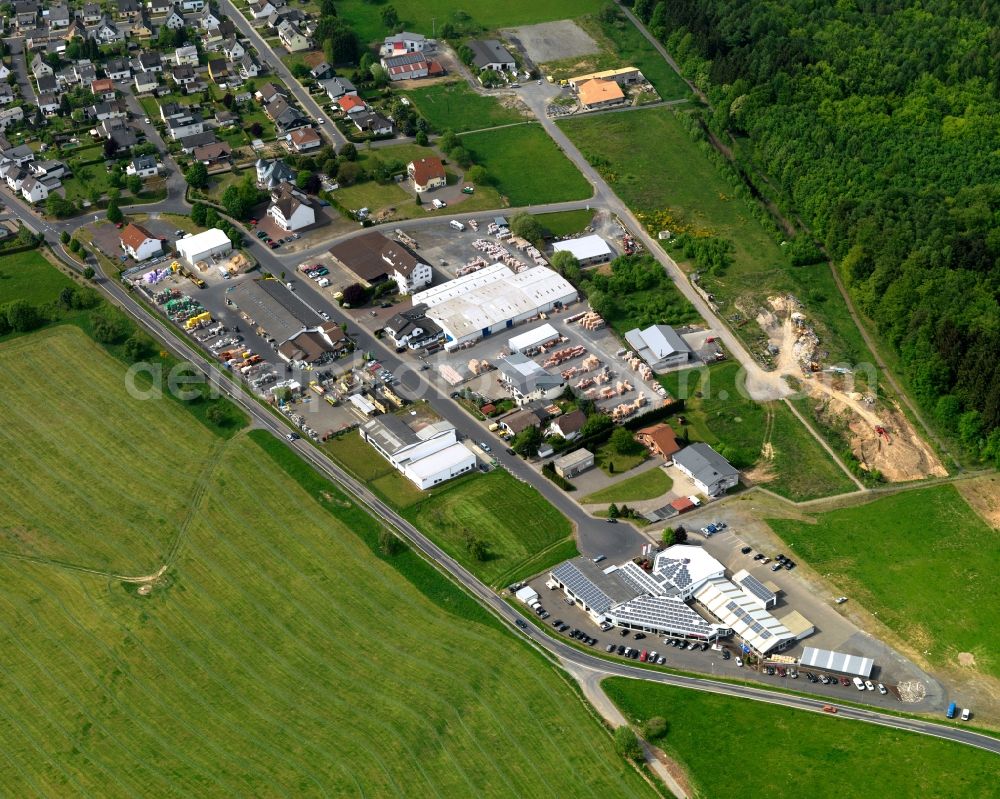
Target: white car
{"x":739,"y":662}
{"x":965,"y":714}
{"x":841,"y":600}
{"x":320,"y":120}
{"x":881,"y":689}
{"x":325,"y":315}
{"x":146,"y":120}
{"x":869,"y":685}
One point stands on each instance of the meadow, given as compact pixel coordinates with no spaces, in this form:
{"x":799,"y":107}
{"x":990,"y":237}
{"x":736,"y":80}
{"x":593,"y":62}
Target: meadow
{"x":765,"y":435}
{"x":28,"y":276}
{"x":813,"y":751}
{"x":526,"y":165}
{"x":895,"y":553}
{"x":649,"y":484}
{"x":455,"y":107}
{"x":691,"y":194}
{"x":565,"y":223}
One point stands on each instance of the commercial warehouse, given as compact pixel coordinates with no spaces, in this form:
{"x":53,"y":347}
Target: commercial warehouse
{"x":203,"y":246}
{"x":495,"y":298}
{"x":828,"y":660}
{"x":427,"y":454}
{"x":588,"y":250}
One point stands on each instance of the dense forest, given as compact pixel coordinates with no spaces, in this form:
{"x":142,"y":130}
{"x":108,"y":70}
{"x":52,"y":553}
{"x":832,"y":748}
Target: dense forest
{"x":878,"y":123}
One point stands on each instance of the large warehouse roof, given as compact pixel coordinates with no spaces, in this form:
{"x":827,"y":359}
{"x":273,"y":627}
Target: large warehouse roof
{"x":585,"y":247}
{"x":664,"y":613}
{"x":270,"y":305}
{"x":837,"y":661}
{"x":599,"y":589}
{"x":743,"y":615}
{"x":533,"y":338}
{"x":192,"y":246}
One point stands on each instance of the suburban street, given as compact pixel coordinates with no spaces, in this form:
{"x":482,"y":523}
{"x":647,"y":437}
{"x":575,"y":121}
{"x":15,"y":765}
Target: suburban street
{"x":277,"y":67}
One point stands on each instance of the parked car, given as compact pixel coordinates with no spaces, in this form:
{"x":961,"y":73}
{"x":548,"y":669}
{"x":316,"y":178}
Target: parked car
{"x":746,"y":550}
{"x":869,"y":685}
{"x":739,"y":662}
{"x":841,"y":600}
{"x":881,"y":689}
{"x":966,"y":714}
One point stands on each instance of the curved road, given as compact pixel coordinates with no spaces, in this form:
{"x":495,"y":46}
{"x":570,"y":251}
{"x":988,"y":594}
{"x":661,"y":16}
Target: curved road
{"x":560,"y":649}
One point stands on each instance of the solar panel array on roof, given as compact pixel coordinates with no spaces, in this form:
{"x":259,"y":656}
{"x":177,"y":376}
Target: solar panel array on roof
{"x":754,"y":586}
{"x":640,"y":580}
{"x":581,"y":586}
{"x":665,"y":614}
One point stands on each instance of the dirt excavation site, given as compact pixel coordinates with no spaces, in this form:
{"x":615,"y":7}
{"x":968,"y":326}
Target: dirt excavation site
{"x":880,"y":435}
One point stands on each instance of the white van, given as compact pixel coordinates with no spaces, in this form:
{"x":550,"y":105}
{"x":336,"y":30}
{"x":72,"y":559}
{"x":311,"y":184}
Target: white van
{"x":456,"y":224}
{"x":322,"y":282}
{"x":859,"y":684}
{"x":439,"y":203}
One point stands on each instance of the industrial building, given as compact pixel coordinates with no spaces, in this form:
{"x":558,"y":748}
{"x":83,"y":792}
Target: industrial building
{"x":588,"y":250}
{"x":425,"y":453}
{"x":315,"y":347}
{"x":828,"y":660}
{"x":531,"y":341}
{"x":666,"y":598}
{"x":495,"y":298}
{"x":526,"y":381}
{"x":574,"y":463}
{"x":375,"y":259}
{"x":660,"y":346}
{"x":268,"y":304}
{"x":204,"y":246}
{"x":709,"y":471}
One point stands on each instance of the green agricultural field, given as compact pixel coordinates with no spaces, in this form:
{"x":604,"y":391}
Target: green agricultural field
{"x":891,"y":554}
{"x":691,"y":194}
{"x":455,"y":107}
{"x":566,"y":223}
{"x":527,"y":166}
{"x":28,"y":276}
{"x":822,"y":756}
{"x":86,"y":428}
{"x":763,"y":436}
{"x":510,"y":517}
{"x":649,"y":484}
{"x":428,"y":17}
{"x":249,"y":667}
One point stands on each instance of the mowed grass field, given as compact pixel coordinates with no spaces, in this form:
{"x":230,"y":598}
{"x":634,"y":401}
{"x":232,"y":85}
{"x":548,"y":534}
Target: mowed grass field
{"x":526,"y":165}
{"x":281,"y":654}
{"x":649,"y":484}
{"x":79,"y":486}
{"x":896,"y":554}
{"x":690,"y":193}
{"x":764,"y":436}
{"x":566,"y":223}
{"x":455,"y":107}
{"x":28,"y":276}
{"x":822,"y":756}
{"x":424,"y":17}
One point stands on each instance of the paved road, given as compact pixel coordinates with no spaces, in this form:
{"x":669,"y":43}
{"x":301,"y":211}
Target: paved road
{"x":19,"y":65}
{"x":278,"y":68}
{"x":266,"y":420}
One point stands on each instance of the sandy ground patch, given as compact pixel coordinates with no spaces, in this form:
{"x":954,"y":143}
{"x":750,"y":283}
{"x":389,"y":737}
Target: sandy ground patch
{"x":983,"y":496}
{"x":552,"y":41}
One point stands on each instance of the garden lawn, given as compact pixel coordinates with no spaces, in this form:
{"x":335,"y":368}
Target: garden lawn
{"x":78,"y":488}
{"x":822,"y":756}
{"x":526,"y":165}
{"x":649,"y":484}
{"x":690,"y":193}
{"x":28,"y":276}
{"x":794,"y":465}
{"x":893,"y":554}
{"x":378,"y":197}
{"x":250,"y":668}
{"x":613,"y":462}
{"x":85,"y":180}
{"x":455,"y":107}
{"x":566,"y":223}
{"x":427,"y":16}
{"x":511,"y":517}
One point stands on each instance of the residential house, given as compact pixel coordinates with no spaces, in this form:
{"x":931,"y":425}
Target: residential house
{"x":189,"y":143}
{"x":77,"y":30}
{"x":206,"y":19}
{"x":20,"y":155}
{"x":4,"y":72}
{"x":427,"y":174}
{"x":283,"y":15}
{"x":337,"y":87}
{"x":286,"y":117}
{"x":84,"y":73}
{"x":375,"y":259}
{"x":218,"y":70}
{"x":232,"y":49}
{"x":118,"y":131}
{"x":711,"y":473}
{"x":160,"y":7}
{"x":16,"y":176}
{"x":107,"y":33}
{"x":372,"y":122}
{"x":271,"y":174}
{"x":519,"y":420}
{"x":142,"y":28}
{"x":139,"y":243}
{"x":269,"y":92}
{"x":47,"y":83}
{"x":292,"y":38}
{"x":526,"y":381}
{"x":351,"y":104}
{"x":127,"y":9}
{"x":290,"y":208}
{"x":321,"y":71}
{"x":190,"y":6}
{"x":91,"y":13}
{"x":249,"y":68}
{"x":568,"y":425}
{"x":58,"y":16}
{"x":659,"y":439}
{"x":106,"y":110}
{"x":26,"y":13}
{"x":118,"y":69}
{"x":262,"y":9}
{"x":103,"y":89}
{"x":304,"y":140}
{"x":490,"y":54}
{"x":33,"y":190}
{"x":145,"y":166}
{"x":6,"y":94}
{"x":184,"y":125}
{"x":411,"y":328}
{"x":215,"y":153}
{"x":402,"y":43}
{"x":225,"y":119}
{"x":39,"y":68}
{"x":183,"y":76}
{"x":186,"y":56}
{"x":48,"y":104}
{"x":599,"y":93}
{"x":150,"y":62}
{"x":48,"y":171}
{"x":146,"y":82}
{"x":36,"y":39}
{"x":174,"y":20}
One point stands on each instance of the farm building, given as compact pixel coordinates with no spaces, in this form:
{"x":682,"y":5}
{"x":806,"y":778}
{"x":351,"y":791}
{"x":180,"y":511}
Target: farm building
{"x":588,"y":250}
{"x":426,"y":453}
{"x":139,"y":243}
{"x":712,"y":474}
{"x":531,"y":340}
{"x":375,"y":259}
{"x":203,"y":246}
{"x":600,"y":93}
{"x":660,"y":346}
{"x":526,"y":381}
{"x":495,"y":298}
{"x":574,"y":463}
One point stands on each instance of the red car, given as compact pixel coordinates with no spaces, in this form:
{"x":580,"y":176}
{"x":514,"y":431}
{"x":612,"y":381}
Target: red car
{"x":829,"y":709}
{"x":643,"y":656}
